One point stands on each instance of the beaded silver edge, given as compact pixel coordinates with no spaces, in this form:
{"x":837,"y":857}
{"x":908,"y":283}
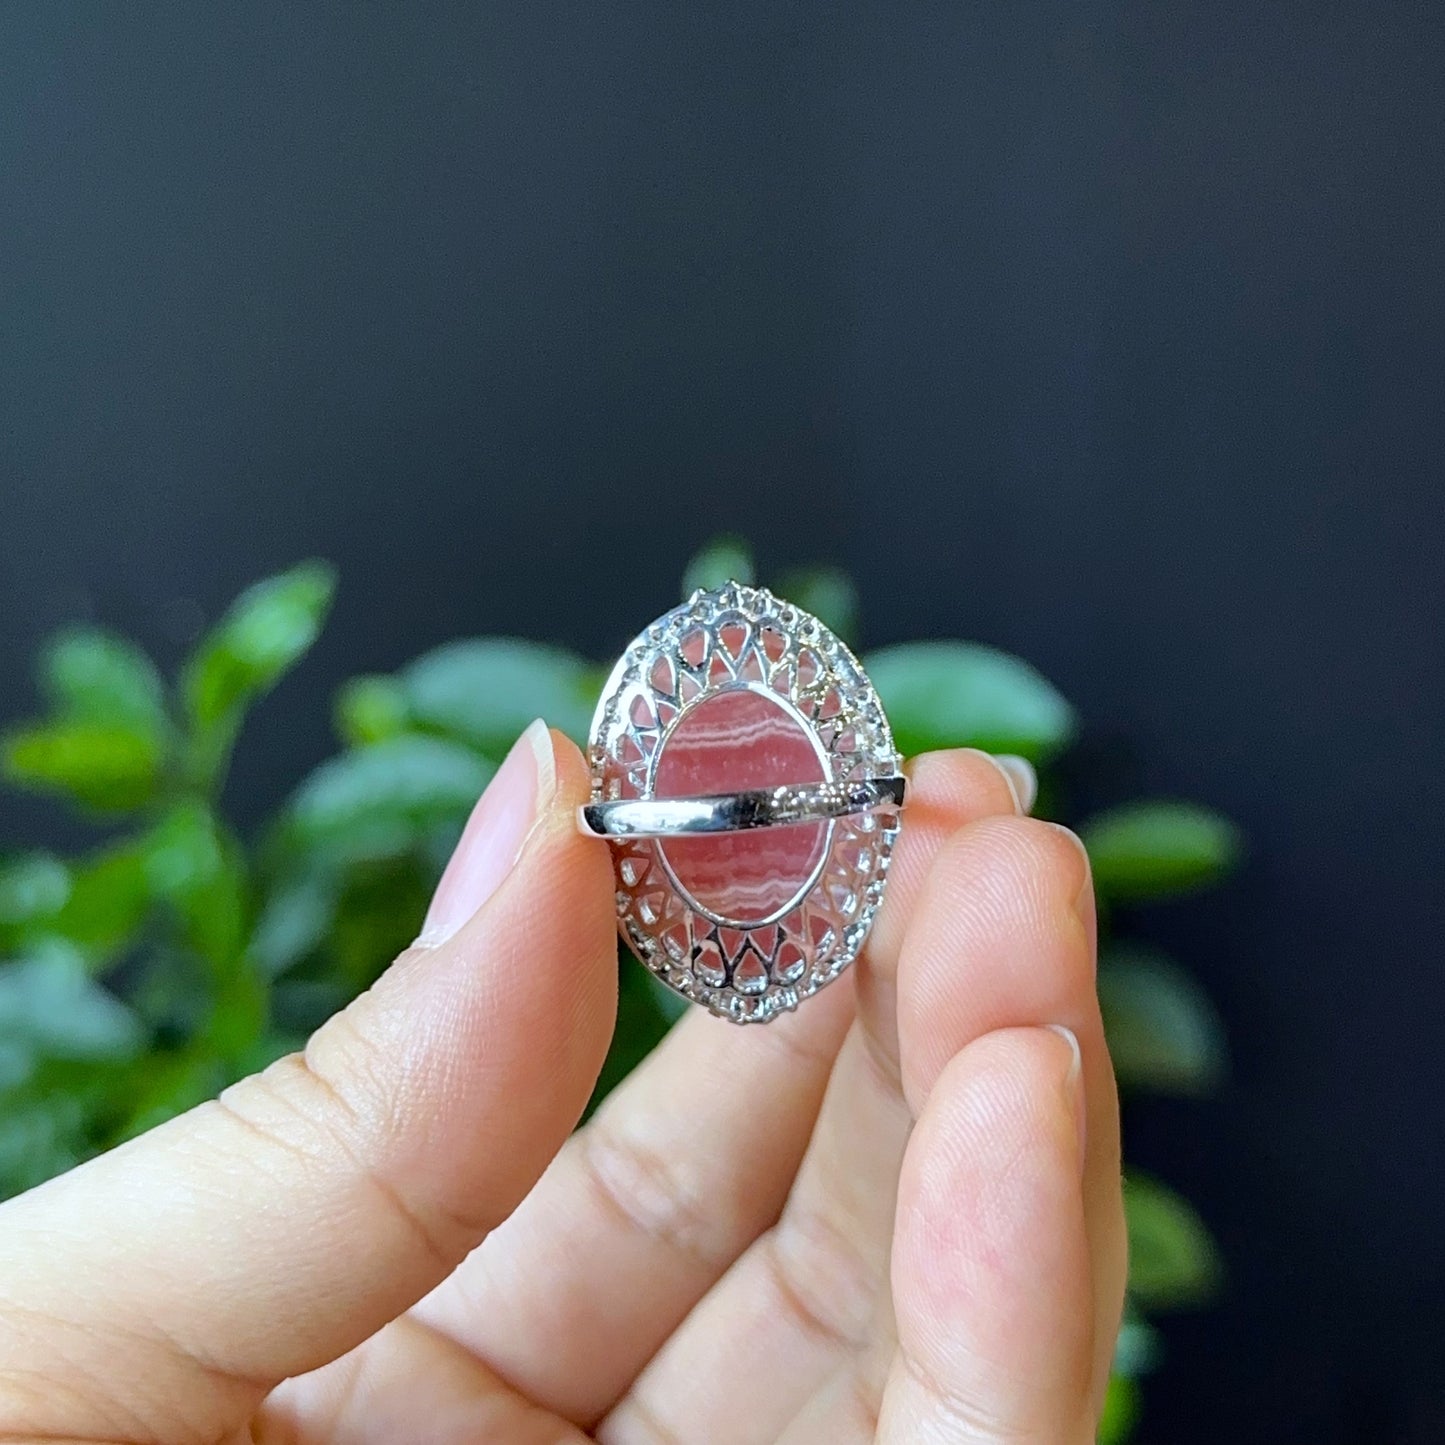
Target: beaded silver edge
{"x":732,"y":637}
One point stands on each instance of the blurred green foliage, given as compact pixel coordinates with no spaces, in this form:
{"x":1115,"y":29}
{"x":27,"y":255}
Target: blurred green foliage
{"x":143,"y":976}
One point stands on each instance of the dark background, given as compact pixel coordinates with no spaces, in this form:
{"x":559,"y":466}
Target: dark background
{"x":1110,"y":333}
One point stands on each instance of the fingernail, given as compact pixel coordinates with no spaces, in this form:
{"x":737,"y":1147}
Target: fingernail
{"x":1074,"y":1083}
{"x":1022,"y":778}
{"x":1084,"y":901}
{"x":494,"y":835}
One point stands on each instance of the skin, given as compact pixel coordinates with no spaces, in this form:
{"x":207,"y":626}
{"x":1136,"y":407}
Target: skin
{"x":893,"y":1216}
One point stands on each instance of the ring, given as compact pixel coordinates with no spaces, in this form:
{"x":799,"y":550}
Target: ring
{"x":745,"y":778}
{"x":737,"y":812}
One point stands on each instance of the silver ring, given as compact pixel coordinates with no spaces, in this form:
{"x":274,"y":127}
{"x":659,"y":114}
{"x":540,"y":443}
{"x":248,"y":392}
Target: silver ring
{"x":746,"y":781}
{"x":780,"y":807}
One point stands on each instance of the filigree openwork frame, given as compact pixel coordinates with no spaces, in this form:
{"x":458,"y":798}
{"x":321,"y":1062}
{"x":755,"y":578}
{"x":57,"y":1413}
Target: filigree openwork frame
{"x":743,"y":637}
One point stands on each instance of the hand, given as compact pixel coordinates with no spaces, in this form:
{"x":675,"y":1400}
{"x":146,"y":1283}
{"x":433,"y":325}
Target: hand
{"x":894,"y":1215}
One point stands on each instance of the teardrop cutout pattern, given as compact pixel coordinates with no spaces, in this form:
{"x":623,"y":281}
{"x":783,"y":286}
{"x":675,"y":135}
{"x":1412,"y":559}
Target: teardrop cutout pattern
{"x":744,"y":637}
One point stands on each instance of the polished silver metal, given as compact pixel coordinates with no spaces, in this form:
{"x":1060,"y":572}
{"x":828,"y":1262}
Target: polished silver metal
{"x":780,"y":807}
{"x":736,"y":637}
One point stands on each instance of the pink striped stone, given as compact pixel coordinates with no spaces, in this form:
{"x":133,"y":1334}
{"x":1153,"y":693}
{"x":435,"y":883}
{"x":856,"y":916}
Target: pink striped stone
{"x":741,"y":739}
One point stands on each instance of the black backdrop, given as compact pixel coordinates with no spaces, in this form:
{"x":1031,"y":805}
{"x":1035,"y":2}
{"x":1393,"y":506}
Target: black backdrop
{"x":1106,"y":332}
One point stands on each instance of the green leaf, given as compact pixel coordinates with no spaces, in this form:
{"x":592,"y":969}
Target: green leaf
{"x":963,"y":694}
{"x":670,"y":1005}
{"x":370,"y":709}
{"x":94,"y":676}
{"x":172,"y":990}
{"x":1164,"y":1033}
{"x":50,"y":1007}
{"x":485,"y":691}
{"x":15,"y":1066}
{"x":379,"y":801}
{"x":270,"y":1046}
{"x":827,"y":592}
{"x":33,"y":886}
{"x":267,"y":630}
{"x":644,"y":1013}
{"x":301,"y":1005}
{"x":41,"y":1135}
{"x":1158,"y":849}
{"x":379,"y":914}
{"x":169,"y":1085}
{"x":192,"y":864}
{"x":62,"y":1114}
{"x":1120,"y":1412}
{"x":293,"y":922}
{"x":109,"y":898}
{"x":724,"y":559}
{"x":1137,"y":1349}
{"x":106,"y":766}
{"x":1173,"y":1262}
{"x":238,"y":1019}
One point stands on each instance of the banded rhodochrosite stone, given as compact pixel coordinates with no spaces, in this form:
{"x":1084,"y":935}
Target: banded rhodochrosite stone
{"x":733,"y":740}
{"x":738,"y":689}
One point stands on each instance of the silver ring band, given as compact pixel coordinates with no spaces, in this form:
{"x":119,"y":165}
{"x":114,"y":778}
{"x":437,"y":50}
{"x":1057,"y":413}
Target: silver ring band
{"x":738,"y":812}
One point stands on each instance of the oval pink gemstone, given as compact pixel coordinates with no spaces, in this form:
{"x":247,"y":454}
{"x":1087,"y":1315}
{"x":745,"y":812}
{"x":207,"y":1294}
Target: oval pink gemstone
{"x":741,"y":739}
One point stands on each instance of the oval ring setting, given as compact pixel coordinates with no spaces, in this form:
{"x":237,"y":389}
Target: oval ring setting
{"x":745,"y":777}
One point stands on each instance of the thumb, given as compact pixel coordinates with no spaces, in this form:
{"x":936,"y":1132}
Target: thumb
{"x":265,"y":1233}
